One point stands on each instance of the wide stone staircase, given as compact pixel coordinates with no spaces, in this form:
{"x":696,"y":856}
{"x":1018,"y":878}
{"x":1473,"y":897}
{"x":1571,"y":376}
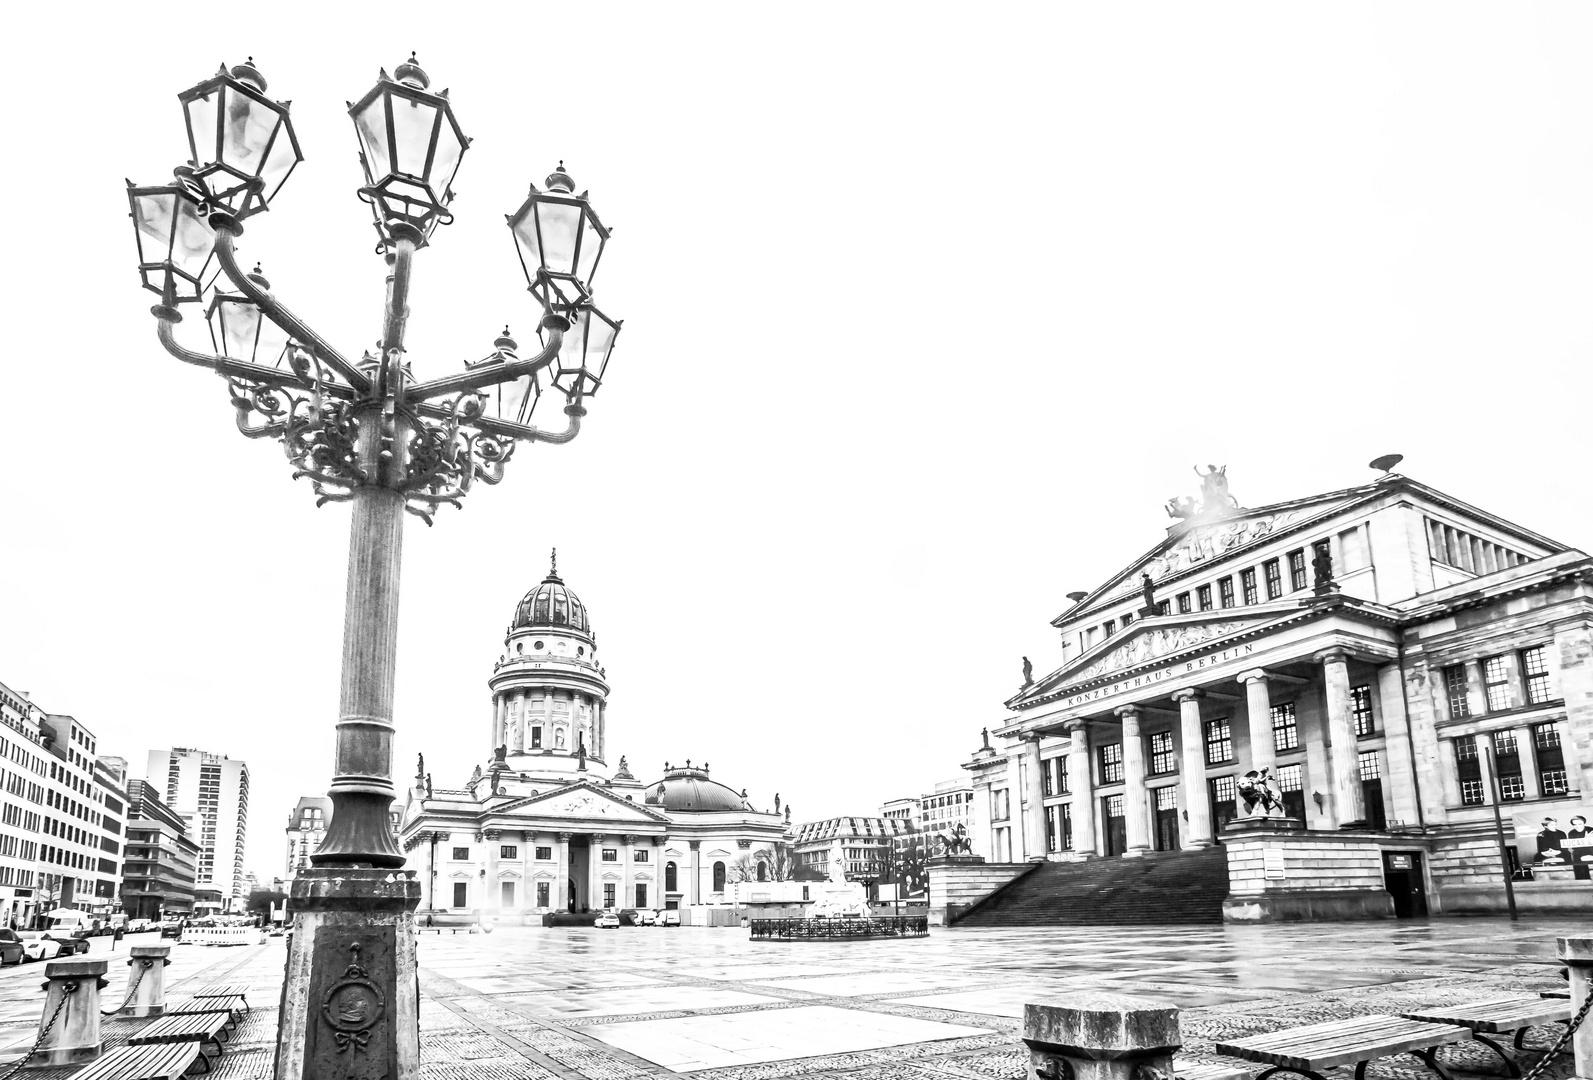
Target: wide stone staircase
{"x":1165,"y":887}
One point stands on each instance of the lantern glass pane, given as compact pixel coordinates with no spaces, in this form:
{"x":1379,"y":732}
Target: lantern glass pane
{"x":560,"y":224}
{"x":525,"y":233}
{"x":279,"y":162}
{"x":202,"y":129}
{"x":246,"y":131}
{"x":152,"y":216}
{"x":450,"y":148}
{"x":240,"y":326}
{"x":192,"y":239}
{"x":371,"y":123}
{"x":516,"y":399}
{"x":599,"y":343}
{"x":591,"y":248}
{"x":413,"y":124}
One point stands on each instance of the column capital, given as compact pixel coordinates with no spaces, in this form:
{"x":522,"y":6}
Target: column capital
{"x":1254,"y":675}
{"x":564,"y":837}
{"x":1128,"y":710}
{"x":694,"y":844}
{"x":1077,"y":724}
{"x":630,"y":838}
{"x":597,"y":837}
{"x":493,"y":835}
{"x":1191,"y":693}
{"x":1327,"y":656}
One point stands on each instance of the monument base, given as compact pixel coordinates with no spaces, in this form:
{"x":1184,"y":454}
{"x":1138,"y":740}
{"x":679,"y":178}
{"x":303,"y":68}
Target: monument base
{"x":351,"y":998}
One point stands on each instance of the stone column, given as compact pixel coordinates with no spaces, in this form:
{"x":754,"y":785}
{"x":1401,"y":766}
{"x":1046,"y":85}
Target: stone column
{"x":1258,"y":709}
{"x":561,"y":882}
{"x":147,"y":964}
{"x":1530,"y":781}
{"x":1574,"y":647}
{"x":1192,"y":743}
{"x":492,"y":902}
{"x":695,"y":893}
{"x":1400,"y":791}
{"x":1349,"y":804}
{"x":1451,"y":771}
{"x":627,"y":891}
{"x":1476,"y":693}
{"x":1422,"y":710}
{"x":517,"y":736}
{"x":497,"y":721}
{"x":1573,"y":772}
{"x":1136,"y":812}
{"x":594,"y":877}
{"x":1081,"y":783}
{"x":75,"y":1036}
{"x":1034,"y":800}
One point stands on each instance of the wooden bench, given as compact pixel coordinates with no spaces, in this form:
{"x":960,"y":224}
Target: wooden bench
{"x":231,"y":1008}
{"x":224,"y":990}
{"x":1499,"y":1016}
{"x":155,"y":1061}
{"x":1194,"y":1070}
{"x":1362,"y":1039}
{"x":186,"y":1027}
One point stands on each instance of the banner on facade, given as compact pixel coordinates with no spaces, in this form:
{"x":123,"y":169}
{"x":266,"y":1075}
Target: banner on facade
{"x":1557,"y":843}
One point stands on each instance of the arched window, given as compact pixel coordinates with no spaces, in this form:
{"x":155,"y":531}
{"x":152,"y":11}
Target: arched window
{"x":669,"y":878}
{"x":763,"y":871}
{"x":719,"y":877}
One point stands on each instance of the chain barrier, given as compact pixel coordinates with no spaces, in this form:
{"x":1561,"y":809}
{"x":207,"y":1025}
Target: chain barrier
{"x":132,"y":986}
{"x":66,"y":995}
{"x":1570,"y":1029}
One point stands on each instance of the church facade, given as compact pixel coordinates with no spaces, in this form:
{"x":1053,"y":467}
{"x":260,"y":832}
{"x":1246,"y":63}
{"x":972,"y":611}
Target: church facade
{"x":1338,"y":690}
{"x":547,"y":824}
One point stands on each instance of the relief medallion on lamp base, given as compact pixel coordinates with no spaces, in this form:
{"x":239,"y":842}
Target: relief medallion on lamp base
{"x":351,"y":999}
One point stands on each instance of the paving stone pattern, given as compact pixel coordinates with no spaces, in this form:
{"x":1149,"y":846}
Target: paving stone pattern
{"x":643,"y":1002}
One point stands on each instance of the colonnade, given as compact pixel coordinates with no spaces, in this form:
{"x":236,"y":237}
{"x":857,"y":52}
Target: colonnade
{"x":511,"y":722}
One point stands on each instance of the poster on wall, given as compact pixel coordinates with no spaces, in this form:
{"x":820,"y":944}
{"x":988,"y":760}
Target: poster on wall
{"x":1557,"y":843}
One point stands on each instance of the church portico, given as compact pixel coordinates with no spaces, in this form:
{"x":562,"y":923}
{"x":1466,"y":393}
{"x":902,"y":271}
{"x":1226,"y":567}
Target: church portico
{"x":1372,"y":662}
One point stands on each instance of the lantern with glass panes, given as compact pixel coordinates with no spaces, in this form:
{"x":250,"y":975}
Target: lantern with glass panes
{"x":410,"y":147}
{"x":242,"y":142}
{"x":239,"y":330}
{"x":175,"y":240}
{"x":560,"y":240}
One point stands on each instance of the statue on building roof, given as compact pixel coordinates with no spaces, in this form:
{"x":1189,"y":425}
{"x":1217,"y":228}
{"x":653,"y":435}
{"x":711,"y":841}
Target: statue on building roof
{"x":788,"y":813}
{"x":428,"y":785}
{"x":1322,"y":582}
{"x":1147,"y":589}
{"x":776,"y":802}
{"x":1215,"y":498}
{"x":984,"y":733}
{"x":1028,"y":672}
{"x":475,"y":774}
{"x":580,"y":752}
{"x":420,"y":766}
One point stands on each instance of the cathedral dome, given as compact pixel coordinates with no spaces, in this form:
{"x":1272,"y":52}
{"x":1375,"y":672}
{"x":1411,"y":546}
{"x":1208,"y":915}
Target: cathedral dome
{"x":689,"y":789}
{"x":553,"y":604}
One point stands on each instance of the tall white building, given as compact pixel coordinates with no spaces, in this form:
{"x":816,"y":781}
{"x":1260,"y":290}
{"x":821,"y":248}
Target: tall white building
{"x":214,"y":790}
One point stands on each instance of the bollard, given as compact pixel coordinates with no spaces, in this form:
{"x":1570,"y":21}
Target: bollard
{"x":74,"y":1037}
{"x":1094,"y":1035}
{"x":1577,"y":956}
{"x":148,"y":966}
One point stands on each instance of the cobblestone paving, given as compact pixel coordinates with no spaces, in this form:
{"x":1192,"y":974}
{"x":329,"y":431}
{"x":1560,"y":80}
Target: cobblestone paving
{"x":643,"y":1003}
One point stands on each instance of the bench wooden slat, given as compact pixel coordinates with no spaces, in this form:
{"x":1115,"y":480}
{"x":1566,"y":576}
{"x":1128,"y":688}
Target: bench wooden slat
{"x":183,"y":1027}
{"x":160,"y":1061}
{"x":1343,"y":1042}
{"x":1496,"y":1015}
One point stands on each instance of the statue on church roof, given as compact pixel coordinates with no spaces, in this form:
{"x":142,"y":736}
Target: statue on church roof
{"x":1147,"y":589}
{"x":580,"y":752}
{"x":420,"y":766}
{"x":428,"y":785}
{"x":1322,"y":583}
{"x":1028,"y":672}
{"x":1215,"y":498}
{"x":475,"y":774}
{"x":776,"y":802}
{"x":984,"y":733}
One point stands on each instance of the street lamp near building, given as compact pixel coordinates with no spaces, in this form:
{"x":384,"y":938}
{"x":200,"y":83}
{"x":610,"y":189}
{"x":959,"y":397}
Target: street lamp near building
{"x":366,"y":432}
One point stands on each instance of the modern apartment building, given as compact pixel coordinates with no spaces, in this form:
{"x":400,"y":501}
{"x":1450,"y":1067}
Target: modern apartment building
{"x":214,"y":790}
{"x":160,"y":866}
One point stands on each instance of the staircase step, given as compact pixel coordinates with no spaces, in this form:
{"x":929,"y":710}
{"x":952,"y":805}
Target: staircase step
{"x":1170,"y":887}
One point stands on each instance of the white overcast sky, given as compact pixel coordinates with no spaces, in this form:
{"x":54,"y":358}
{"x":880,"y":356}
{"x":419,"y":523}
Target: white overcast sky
{"x":929,"y":308}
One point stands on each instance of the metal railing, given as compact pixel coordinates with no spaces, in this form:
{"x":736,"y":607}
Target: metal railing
{"x":889,"y":926}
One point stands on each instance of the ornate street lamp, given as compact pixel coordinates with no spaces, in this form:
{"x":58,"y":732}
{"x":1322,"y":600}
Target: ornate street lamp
{"x":367,"y":433}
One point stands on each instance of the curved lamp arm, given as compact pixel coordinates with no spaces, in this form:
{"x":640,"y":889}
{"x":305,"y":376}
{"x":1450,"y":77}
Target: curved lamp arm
{"x":492,"y":374}
{"x":273,"y":310}
{"x":233,"y":369}
{"x":507,"y":429}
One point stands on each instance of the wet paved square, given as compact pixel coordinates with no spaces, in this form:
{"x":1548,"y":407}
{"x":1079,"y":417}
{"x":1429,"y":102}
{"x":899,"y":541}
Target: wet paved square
{"x":645,"y":1002}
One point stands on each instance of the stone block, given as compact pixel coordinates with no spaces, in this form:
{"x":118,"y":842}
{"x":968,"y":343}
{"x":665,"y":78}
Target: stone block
{"x":1099,"y":1035}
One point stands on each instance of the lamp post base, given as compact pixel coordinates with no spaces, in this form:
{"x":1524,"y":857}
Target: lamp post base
{"x":351,"y":998}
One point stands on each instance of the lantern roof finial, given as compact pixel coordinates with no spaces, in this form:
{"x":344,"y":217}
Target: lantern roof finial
{"x":410,"y":73}
{"x":259,"y":279}
{"x":250,"y":76}
{"x":505,"y":343}
{"x":559,"y":180}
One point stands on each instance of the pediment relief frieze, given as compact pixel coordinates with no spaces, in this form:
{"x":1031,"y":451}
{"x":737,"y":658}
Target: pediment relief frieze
{"x":1153,"y":643}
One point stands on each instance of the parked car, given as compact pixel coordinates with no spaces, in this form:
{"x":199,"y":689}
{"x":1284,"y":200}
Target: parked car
{"x":607,"y":921}
{"x":38,"y":945}
{"x":171,"y":929}
{"x":669,"y":917}
{"x":10,"y":947}
{"x":646,"y":917}
{"x":67,"y":945}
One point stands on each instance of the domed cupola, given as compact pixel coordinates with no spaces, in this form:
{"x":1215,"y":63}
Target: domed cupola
{"x":687,"y":789}
{"x":552,"y":604}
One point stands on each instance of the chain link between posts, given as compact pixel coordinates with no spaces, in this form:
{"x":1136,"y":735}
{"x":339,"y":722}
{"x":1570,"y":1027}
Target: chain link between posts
{"x":1570,"y":1029}
{"x":132,"y":986}
{"x":66,"y":995}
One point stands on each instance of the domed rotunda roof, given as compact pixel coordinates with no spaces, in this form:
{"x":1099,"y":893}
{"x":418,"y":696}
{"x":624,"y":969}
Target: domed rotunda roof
{"x":689,"y":789}
{"x":552,"y":604}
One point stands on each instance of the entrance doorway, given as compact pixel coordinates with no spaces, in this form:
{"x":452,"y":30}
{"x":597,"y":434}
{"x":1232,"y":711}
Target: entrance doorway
{"x":1224,"y":794}
{"x":1116,"y":826}
{"x":1402,"y":877}
{"x":1166,"y":818}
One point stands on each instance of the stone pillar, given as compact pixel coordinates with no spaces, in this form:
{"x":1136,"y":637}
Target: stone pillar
{"x":492,"y":902}
{"x":1017,"y":824}
{"x":561,"y":883}
{"x":1192,"y":741}
{"x":75,"y":1036}
{"x":498,"y":708}
{"x":1136,"y":812}
{"x":1573,"y":771}
{"x":1574,"y":647}
{"x":594,"y":876}
{"x":1400,"y":791}
{"x":1258,"y":709}
{"x":695,"y":892}
{"x":1577,"y":956}
{"x":1476,"y":693}
{"x":147,"y":964}
{"x":1100,"y":1035}
{"x":1081,"y":783}
{"x":1451,"y":771}
{"x":517,"y":721}
{"x":1421,"y":710}
{"x":628,"y":858}
{"x":1349,"y":804}
{"x":1530,"y":781}
{"x":1034,"y":800}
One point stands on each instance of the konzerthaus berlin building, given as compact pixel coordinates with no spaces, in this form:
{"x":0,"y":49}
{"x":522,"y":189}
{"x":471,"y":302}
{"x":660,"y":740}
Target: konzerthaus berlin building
{"x":1389,"y":654}
{"x":547,"y":824}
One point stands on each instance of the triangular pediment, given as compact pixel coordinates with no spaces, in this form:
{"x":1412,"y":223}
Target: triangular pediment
{"x":582,"y":802}
{"x":1157,"y":640}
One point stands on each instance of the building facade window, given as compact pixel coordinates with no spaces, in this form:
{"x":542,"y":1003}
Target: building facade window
{"x":1551,"y":759}
{"x":1184,"y":606}
{"x":1285,"y":727}
{"x":1111,"y":755}
{"x":1274,"y":577}
{"x":1000,"y":806}
{"x":462,"y":854}
{"x":1291,"y":783}
{"x":608,"y":894}
{"x":1361,"y":710}
{"x":542,"y":893}
{"x":640,"y":855}
{"x":611,"y":854}
{"x":1219,"y":742}
{"x":1060,"y":764}
{"x":545,"y":854}
{"x":1109,"y":627}
{"x":461,"y":893}
{"x":1455,"y":689}
{"x":508,"y":851}
{"x":1225,"y":591}
{"x":1163,"y":759}
{"x":536,"y":737}
{"x":1047,"y":781}
{"x":1203,"y":597}
{"x":1535,"y":669}
{"x":1247,"y":579}
{"x":1496,"y":683}
{"x":1468,"y":770}
{"x":1371,"y":769}
{"x":1297,"y":579}
{"x":1507,"y":760}
{"x":641,"y":895}
{"x":1164,"y":607}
